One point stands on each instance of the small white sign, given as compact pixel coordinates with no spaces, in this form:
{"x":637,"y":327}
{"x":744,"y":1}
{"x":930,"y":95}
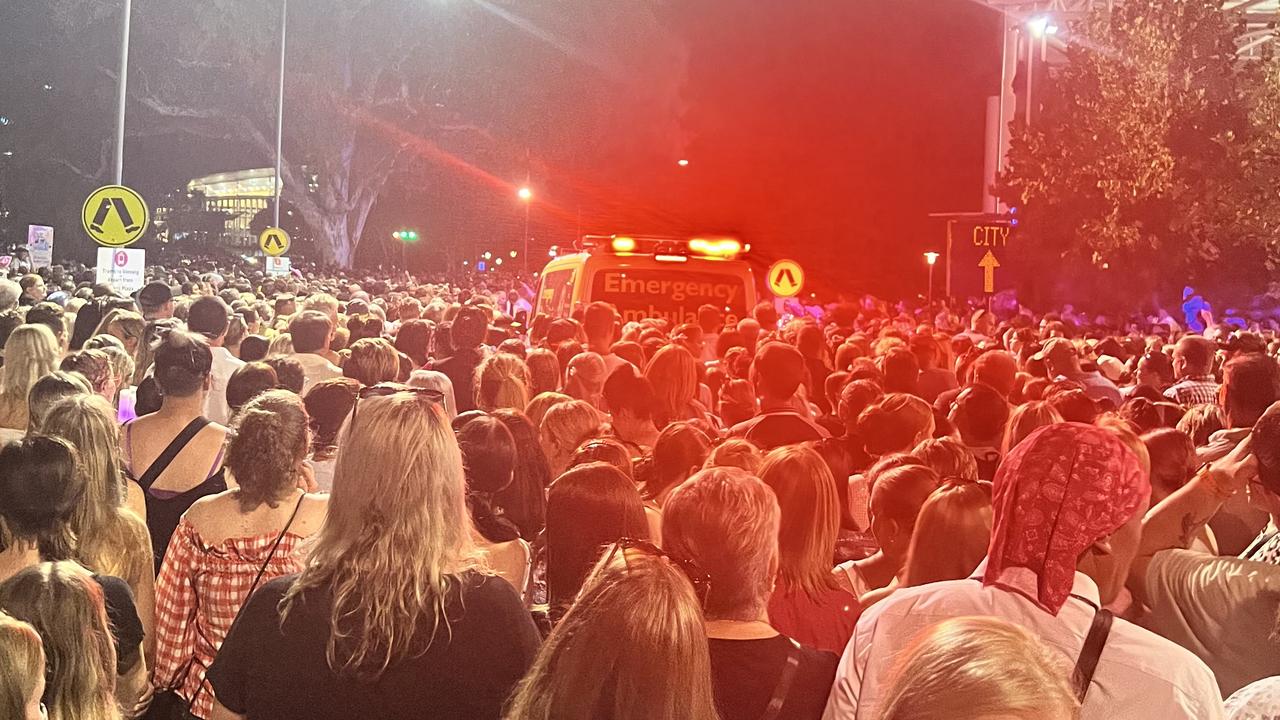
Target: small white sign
{"x":279,"y":265}
{"x":124,"y":270}
{"x":40,"y":245}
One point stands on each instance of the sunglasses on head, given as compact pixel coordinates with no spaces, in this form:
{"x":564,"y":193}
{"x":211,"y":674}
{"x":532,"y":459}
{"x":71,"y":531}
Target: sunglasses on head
{"x":699,"y":578}
{"x":389,"y":389}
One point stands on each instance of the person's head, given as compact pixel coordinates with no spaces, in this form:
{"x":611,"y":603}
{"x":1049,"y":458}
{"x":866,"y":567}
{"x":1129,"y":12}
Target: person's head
{"x":95,"y":366}
{"x":88,"y":422}
{"x":33,"y":287}
{"x":372,"y":361}
{"x":949,"y":458}
{"x":254,"y":347}
{"x":438,"y":381}
{"x":249,"y":381}
{"x":328,"y":404}
{"x":606,"y":450}
{"x":996,"y":369}
{"x":537,"y":408}
{"x":289,"y":373}
{"x":978,"y":668}
{"x":396,"y":539}
{"x":414,"y":339}
{"x":632,"y":647}
{"x":680,"y":450}
{"x":10,"y":292}
{"x":951,"y":535}
{"x":1070,"y":497}
{"x":470,"y":326}
{"x":209,"y":316}
{"x":155,"y":300}
{"x":544,"y":371}
{"x":738,"y":453}
{"x":628,"y":396}
{"x":585,"y":377}
{"x":1173,"y":461}
{"x":502,"y":381}
{"x":1250,"y":383}
{"x":565,"y":426}
{"x":1154,"y":370}
{"x":600,"y":323}
{"x":324,"y":303}
{"x":726,"y":521}
{"x":1026,"y":419}
{"x":1060,"y":357}
{"x":710,"y":319}
{"x":266,"y":450}
{"x":1193,"y":357}
{"x":897,"y":494}
{"x":30,"y":354}
{"x":897,"y":423}
{"x":65,"y":605}
{"x":22,"y":668}
{"x":810,"y":506}
{"x":980,"y":414}
{"x":40,"y":489}
{"x":901,"y":371}
{"x":1265,"y":441}
{"x":1201,"y":421}
{"x":51,"y":316}
{"x":673,"y":374}
{"x":588,"y":507}
{"x":310,"y":332}
{"x":925,"y":348}
{"x":777,"y":371}
{"x":49,"y":391}
{"x":856,"y":396}
{"x":125,"y":325}
{"x":183,"y":362}
{"x":488,"y":454}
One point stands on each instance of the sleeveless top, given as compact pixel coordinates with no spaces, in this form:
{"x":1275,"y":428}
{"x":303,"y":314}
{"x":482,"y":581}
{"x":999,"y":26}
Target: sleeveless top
{"x":165,"y":508}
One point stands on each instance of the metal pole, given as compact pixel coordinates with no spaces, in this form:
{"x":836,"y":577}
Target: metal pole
{"x":526,"y":237}
{"x":122,"y":85}
{"x":931,"y":284}
{"x":1031,"y":72}
{"x":950,"y":227}
{"x":284,"y":34}
{"x":1004,"y":90}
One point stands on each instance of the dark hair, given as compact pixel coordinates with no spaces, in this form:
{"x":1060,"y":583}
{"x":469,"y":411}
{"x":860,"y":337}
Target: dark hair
{"x":414,"y":340}
{"x":469,"y":328}
{"x":254,"y":347}
{"x":489,"y":457}
{"x":289,"y":373}
{"x":1250,"y":383}
{"x":588,"y":507}
{"x":901,"y":371}
{"x":328,"y":404}
{"x":310,"y":331}
{"x":249,"y":381}
{"x":1266,"y":448}
{"x":49,"y":390}
{"x":525,"y":500}
{"x":778,"y":370}
{"x":50,"y":315}
{"x":87,"y":319}
{"x":182,"y":362}
{"x":626,"y":389}
{"x":148,"y":398}
{"x":9,"y":321}
{"x":269,"y":441}
{"x":1172,"y":460}
{"x":680,"y":450}
{"x":209,"y":316}
{"x":605,"y":450}
{"x":980,"y":414}
{"x":599,"y":321}
{"x":40,"y":489}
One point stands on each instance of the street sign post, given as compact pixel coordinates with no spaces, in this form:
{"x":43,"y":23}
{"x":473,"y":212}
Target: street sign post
{"x":786,"y":278}
{"x":274,"y":241}
{"x":115,"y":216}
{"x":982,"y":253}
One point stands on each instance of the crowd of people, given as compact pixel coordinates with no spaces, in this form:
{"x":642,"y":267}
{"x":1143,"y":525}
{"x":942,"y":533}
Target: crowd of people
{"x":231,"y":495}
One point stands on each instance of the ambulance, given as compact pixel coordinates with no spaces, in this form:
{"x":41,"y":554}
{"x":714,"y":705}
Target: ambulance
{"x":648,"y":277}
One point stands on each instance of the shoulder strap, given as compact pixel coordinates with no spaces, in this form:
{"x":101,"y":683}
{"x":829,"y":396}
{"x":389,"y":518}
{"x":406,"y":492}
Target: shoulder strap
{"x":171,"y":451}
{"x":783,"y":688}
{"x":1082,"y":676}
{"x":274,"y":547}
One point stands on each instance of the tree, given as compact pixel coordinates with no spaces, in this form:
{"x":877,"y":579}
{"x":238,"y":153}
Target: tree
{"x":1145,"y":166}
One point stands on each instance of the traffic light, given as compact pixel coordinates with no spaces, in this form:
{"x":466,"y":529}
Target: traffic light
{"x":405,"y":235}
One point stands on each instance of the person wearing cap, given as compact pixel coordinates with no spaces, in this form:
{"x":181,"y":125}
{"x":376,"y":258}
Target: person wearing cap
{"x":155,"y":299}
{"x":1063,"y":361}
{"x":777,"y":374}
{"x":209,"y":316}
{"x":1068,"y":504}
{"x":1193,"y":367}
{"x":1224,"y":609}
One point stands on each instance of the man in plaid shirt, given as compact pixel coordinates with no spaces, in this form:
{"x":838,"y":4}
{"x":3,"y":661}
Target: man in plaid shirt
{"x":1193,"y":367}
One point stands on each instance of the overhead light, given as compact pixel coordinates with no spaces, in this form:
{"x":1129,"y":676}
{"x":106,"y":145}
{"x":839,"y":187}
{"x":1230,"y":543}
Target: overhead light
{"x":1042,"y":25}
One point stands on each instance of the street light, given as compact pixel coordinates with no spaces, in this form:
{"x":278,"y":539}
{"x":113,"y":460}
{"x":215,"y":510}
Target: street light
{"x":932,"y":259}
{"x":682,"y":162}
{"x":525,"y":195}
{"x":1042,"y":25}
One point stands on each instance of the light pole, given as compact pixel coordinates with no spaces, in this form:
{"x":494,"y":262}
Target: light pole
{"x":284,"y":34}
{"x":122,"y":85}
{"x":526,"y":196}
{"x":932,"y":259}
{"x":1039,"y":28}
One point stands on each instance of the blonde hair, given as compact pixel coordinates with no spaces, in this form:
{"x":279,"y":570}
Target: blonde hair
{"x":502,"y":383}
{"x":397,"y":538}
{"x":112,"y":539}
{"x":22,"y":664}
{"x":673,"y":373}
{"x":372,"y":361}
{"x":537,"y":408}
{"x":566,"y":426}
{"x":281,"y":344}
{"x":130,"y":323}
{"x":951,"y":534}
{"x":948,"y":457}
{"x":65,"y":605}
{"x":632,"y":647}
{"x":30,"y":353}
{"x":736,"y":452}
{"x":1026,"y":419}
{"x":122,"y":364}
{"x":585,"y":376}
{"x":978,"y":667}
{"x":810,"y":506}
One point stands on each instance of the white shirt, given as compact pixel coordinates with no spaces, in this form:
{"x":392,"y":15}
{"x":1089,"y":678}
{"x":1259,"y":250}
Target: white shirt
{"x":1140,"y":674}
{"x":315,"y":369}
{"x":215,"y":403}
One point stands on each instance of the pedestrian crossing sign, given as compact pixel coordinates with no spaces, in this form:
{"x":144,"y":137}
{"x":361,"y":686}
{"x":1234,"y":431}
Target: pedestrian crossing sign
{"x":115,"y":216}
{"x":274,"y":241}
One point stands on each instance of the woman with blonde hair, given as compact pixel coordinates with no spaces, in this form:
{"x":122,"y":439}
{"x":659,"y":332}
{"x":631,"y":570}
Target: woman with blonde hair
{"x":66,"y":607}
{"x":948,"y":457}
{"x":502,"y":383}
{"x":673,"y":373}
{"x":112,"y":538}
{"x":372,"y":361}
{"x":393,"y":593}
{"x":541,"y":403}
{"x":977,"y":668}
{"x":1026,"y":419}
{"x":229,"y":543}
{"x":951,"y":535}
{"x":896,"y":423}
{"x":22,"y":664}
{"x":566,"y":426}
{"x":544,"y":371}
{"x":281,"y":344}
{"x":632,"y":647}
{"x":736,"y":452}
{"x":30,"y":353}
{"x":126,"y":326}
{"x":808,"y":603}
{"x":584,"y":378}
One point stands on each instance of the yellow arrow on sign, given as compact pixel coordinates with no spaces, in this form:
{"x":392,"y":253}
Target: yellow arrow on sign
{"x":989,"y":263}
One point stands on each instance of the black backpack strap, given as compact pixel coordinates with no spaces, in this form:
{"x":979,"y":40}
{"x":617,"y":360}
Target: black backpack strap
{"x":783,"y":688}
{"x":171,"y":451}
{"x":1082,"y":676}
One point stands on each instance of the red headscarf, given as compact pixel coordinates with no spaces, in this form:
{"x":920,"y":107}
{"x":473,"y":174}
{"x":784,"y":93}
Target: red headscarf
{"x":1062,"y":489}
